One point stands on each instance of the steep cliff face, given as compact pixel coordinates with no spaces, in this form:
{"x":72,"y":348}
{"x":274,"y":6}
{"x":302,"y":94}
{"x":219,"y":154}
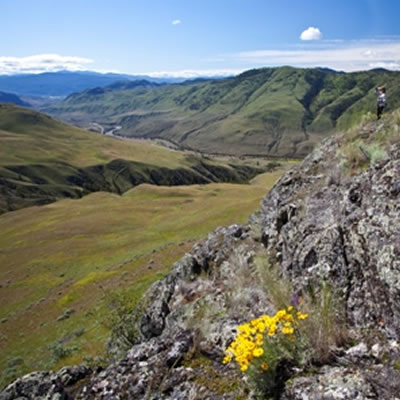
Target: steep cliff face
{"x":329,"y":229}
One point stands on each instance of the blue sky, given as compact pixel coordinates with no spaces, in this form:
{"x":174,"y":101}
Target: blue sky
{"x":192,"y":37}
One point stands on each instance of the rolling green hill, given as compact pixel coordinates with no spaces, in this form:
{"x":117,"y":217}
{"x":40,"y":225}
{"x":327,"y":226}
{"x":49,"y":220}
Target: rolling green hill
{"x":64,"y":267}
{"x":43,"y":160}
{"x":272,"y":111}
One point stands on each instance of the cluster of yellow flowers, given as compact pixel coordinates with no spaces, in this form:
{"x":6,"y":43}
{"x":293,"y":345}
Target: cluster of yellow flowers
{"x":249,"y":342}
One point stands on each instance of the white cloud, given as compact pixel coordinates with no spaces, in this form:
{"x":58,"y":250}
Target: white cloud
{"x":176,"y":22}
{"x":192,"y":74}
{"x":42,"y":63}
{"x":395,"y":66}
{"x":350,"y":56}
{"x":311,"y":33}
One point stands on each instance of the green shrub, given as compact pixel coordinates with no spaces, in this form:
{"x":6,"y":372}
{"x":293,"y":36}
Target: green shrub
{"x":374,"y":152}
{"x":15,"y":368}
{"x":351,"y":156}
{"x":125,"y":312}
{"x":65,"y":315}
{"x":60,"y":351}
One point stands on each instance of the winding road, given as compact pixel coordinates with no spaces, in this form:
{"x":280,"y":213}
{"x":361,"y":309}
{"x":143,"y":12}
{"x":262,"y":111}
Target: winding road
{"x":102,"y":130}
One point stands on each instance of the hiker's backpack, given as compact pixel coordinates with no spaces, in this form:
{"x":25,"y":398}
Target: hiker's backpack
{"x":382,"y":100}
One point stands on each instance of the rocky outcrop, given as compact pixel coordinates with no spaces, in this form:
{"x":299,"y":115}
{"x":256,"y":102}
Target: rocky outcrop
{"x":343,"y":231}
{"x":358,"y":374}
{"x":46,"y":385}
{"x":320,"y":224}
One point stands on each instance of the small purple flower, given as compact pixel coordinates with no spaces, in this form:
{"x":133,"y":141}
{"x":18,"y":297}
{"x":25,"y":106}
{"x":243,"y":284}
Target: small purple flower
{"x":295,"y":300}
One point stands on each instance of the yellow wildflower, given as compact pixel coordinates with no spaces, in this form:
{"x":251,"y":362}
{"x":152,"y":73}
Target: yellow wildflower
{"x":301,"y":316}
{"x":258,"y":352}
{"x":259,"y":339}
{"x":288,"y":317}
{"x":280,"y":314}
{"x":287,"y":331}
{"x":251,"y":337}
{"x":227,"y":359}
{"x":264,"y":366}
{"x":272,"y":330}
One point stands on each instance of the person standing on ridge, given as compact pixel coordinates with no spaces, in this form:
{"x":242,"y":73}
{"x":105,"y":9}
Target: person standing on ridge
{"x":381,"y":101}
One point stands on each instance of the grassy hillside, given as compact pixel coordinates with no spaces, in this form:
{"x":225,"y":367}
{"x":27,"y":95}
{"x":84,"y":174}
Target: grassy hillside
{"x":60,"y":264}
{"x":29,"y":137}
{"x":272,"y":111}
{"x":43,"y":160}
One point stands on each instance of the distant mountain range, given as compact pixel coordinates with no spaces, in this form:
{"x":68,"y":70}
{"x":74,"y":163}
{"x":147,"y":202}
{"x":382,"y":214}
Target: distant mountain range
{"x":11,"y":98}
{"x":280,"y":112}
{"x":63,"y":83}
